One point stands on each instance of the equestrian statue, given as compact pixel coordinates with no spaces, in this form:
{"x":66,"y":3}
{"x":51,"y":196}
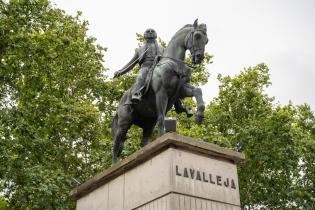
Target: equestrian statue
{"x":163,"y":81}
{"x":146,"y":56}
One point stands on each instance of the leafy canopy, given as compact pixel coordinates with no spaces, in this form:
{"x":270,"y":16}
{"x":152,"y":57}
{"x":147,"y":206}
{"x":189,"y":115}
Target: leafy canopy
{"x":56,"y":106}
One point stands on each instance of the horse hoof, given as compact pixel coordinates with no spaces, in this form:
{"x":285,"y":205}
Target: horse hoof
{"x":189,"y":115}
{"x":199,"y":119}
{"x":114,"y":160}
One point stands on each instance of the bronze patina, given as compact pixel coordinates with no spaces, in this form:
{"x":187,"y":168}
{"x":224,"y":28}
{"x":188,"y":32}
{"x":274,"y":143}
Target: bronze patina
{"x":162,"y":82}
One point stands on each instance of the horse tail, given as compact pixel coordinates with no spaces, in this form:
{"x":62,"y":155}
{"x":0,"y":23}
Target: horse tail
{"x":114,"y":126}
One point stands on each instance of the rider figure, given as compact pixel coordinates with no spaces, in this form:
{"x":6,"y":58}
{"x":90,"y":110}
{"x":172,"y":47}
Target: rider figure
{"x":146,"y":56}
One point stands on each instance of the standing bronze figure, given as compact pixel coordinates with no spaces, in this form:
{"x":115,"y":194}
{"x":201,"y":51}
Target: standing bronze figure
{"x":166,"y":84}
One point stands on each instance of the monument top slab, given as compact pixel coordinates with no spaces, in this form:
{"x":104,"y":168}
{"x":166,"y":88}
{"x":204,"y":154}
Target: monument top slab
{"x":162,"y":143}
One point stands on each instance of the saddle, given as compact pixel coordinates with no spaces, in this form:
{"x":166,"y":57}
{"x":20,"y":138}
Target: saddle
{"x":181,"y":69}
{"x":150,"y":74}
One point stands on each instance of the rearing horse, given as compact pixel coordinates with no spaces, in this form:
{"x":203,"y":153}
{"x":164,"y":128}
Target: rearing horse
{"x":170,"y":81}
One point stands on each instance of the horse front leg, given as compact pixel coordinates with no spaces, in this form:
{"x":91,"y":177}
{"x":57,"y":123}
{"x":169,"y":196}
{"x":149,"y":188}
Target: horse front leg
{"x":190,"y":91}
{"x":161,"y":105}
{"x":147,"y":131}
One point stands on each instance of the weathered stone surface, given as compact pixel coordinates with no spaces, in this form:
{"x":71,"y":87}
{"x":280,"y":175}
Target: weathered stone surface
{"x":174,"y":168}
{"x":204,"y":177}
{"x":148,"y":181}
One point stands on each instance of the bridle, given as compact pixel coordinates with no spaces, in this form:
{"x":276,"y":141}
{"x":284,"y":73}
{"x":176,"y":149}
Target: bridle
{"x":190,"y":45}
{"x":189,"y":40}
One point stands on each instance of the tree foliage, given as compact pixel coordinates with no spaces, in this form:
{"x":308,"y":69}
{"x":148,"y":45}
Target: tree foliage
{"x":278,"y":172}
{"x":56,"y":106}
{"x":273,"y":138}
{"x":51,"y":78}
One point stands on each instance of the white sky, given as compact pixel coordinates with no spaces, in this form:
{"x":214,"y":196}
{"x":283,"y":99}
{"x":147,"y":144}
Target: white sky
{"x":242,"y":33}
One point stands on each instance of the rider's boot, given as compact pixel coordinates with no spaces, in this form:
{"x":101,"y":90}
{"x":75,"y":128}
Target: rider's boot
{"x":136,"y":93}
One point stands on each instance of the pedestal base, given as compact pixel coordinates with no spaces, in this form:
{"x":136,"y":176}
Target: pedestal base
{"x":172,"y":173}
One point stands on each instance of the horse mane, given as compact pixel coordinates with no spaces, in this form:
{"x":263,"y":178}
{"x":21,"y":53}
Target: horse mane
{"x":186,"y":26}
{"x":182,"y":28}
{"x":202,"y":27}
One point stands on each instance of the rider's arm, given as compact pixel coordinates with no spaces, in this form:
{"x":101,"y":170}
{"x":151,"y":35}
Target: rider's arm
{"x":129,"y":65}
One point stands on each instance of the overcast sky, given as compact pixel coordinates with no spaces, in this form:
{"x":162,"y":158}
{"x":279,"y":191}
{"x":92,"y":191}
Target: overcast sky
{"x":242,"y":33}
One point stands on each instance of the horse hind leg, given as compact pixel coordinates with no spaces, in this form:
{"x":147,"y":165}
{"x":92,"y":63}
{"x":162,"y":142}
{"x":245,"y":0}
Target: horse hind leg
{"x":115,"y":140}
{"x":114,"y":126}
{"x":119,"y":141}
{"x":122,"y":126}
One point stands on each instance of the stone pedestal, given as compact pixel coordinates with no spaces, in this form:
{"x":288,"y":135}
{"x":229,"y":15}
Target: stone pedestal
{"x":173,"y":172}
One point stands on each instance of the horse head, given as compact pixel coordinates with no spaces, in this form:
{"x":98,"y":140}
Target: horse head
{"x":196,"y":41}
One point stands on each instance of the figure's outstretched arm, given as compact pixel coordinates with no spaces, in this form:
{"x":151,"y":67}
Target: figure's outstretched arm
{"x":129,"y":65}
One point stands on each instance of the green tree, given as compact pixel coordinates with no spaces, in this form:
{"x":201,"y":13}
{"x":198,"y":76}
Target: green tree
{"x":3,"y":204}
{"x":56,"y":107}
{"x":51,"y":83}
{"x":278,"y":141}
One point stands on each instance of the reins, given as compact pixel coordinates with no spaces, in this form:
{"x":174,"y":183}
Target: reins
{"x":180,"y":61}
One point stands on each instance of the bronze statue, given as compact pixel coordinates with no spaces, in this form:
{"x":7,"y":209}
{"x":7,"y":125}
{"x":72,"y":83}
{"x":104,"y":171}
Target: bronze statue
{"x":146,"y":56}
{"x":167,"y":83}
